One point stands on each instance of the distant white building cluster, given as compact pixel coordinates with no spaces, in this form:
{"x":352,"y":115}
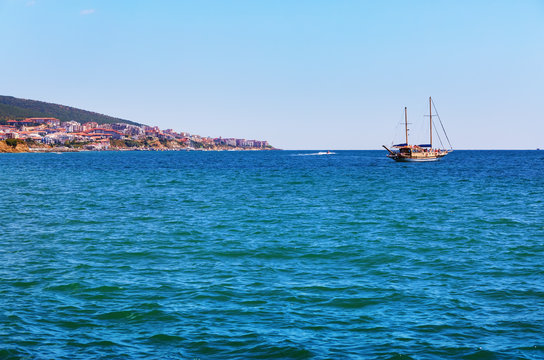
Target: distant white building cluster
{"x":52,"y":132}
{"x":241,"y":143}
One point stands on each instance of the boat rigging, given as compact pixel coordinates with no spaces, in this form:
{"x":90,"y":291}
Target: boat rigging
{"x":424,"y":152}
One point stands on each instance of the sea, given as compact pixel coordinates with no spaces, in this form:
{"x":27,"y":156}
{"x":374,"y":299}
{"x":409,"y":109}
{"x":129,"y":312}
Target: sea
{"x":271,"y":255}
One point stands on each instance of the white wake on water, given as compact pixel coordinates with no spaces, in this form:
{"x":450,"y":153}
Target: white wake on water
{"x":317,"y":153}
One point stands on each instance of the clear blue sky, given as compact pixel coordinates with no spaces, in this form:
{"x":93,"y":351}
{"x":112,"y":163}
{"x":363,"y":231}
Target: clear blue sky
{"x":306,"y":74}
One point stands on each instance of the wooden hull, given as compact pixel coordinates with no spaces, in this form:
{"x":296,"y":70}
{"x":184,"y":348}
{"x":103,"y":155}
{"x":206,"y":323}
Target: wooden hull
{"x":403,"y":159}
{"x":407,"y":158}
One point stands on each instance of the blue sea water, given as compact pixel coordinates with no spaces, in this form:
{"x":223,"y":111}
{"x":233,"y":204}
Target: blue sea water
{"x":271,"y":255}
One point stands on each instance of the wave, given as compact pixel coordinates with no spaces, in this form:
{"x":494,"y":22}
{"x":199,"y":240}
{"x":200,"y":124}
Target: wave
{"x":317,"y":153}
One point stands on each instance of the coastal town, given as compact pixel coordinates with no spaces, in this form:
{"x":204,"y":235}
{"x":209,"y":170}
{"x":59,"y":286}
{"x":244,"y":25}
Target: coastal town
{"x":46,"y":134}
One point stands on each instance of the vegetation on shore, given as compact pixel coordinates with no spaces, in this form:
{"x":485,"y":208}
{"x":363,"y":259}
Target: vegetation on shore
{"x":13,"y":146}
{"x":15,"y":108}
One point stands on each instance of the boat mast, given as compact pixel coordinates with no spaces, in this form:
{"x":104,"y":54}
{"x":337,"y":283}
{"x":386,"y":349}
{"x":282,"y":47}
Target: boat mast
{"x":431,"y":123}
{"x":406,"y":124}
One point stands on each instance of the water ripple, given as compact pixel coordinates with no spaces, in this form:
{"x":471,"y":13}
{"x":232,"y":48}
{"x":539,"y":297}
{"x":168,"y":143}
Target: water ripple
{"x":267,"y":255}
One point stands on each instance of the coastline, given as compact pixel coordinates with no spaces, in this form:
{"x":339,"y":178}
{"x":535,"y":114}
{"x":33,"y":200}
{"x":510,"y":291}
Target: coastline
{"x":24,"y":147}
{"x":52,"y":135}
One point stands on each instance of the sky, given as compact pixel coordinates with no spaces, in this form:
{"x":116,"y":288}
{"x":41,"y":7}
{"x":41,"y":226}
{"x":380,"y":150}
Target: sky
{"x":302,"y":74}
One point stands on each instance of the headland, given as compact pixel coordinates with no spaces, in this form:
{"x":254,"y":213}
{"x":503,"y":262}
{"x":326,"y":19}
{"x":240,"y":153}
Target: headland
{"x":57,"y":131}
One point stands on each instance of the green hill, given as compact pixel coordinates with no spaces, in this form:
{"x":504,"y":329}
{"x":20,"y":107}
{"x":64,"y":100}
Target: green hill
{"x":17,"y":109}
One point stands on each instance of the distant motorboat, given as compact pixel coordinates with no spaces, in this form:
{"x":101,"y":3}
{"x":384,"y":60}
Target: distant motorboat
{"x":418,"y":153}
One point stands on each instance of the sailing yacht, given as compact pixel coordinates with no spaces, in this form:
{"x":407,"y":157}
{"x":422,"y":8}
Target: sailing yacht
{"x":417,"y":153}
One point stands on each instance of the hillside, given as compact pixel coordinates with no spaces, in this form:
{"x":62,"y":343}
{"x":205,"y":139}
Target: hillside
{"x":15,"y":108}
